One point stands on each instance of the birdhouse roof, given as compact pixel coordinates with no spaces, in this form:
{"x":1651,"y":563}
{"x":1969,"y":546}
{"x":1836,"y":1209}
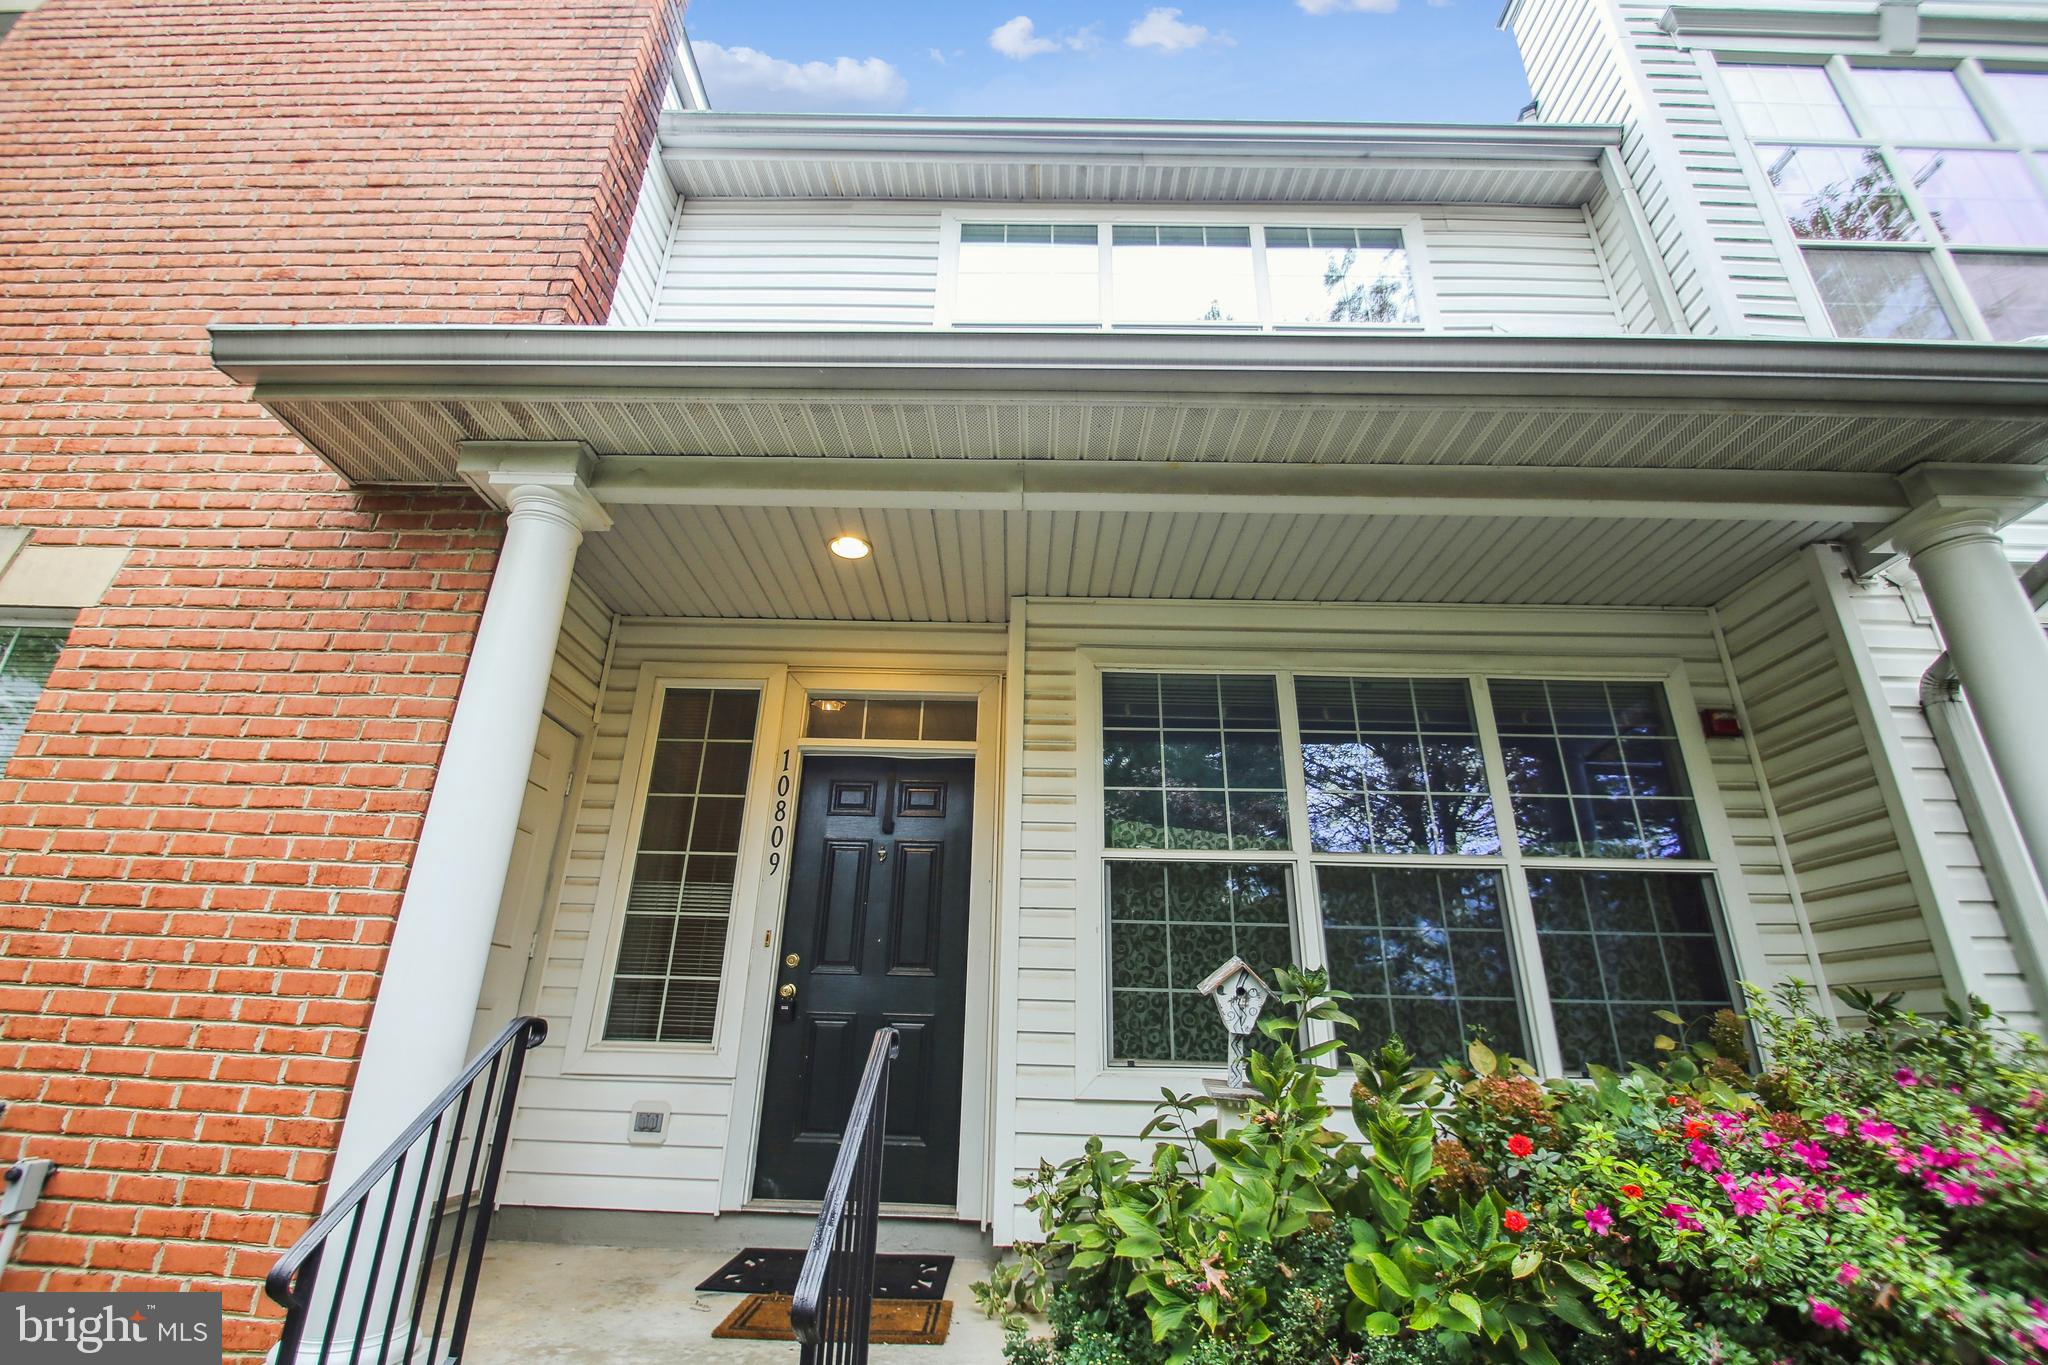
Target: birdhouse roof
{"x":1228,"y":970}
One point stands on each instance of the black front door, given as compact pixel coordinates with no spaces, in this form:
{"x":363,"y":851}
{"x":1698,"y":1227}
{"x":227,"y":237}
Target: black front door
{"x":877,"y":923}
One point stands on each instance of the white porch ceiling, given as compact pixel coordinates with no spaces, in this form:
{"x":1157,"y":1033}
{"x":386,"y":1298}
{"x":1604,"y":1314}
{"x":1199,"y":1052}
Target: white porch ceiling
{"x":949,"y":565}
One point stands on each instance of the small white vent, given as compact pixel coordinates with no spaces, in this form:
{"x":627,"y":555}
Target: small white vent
{"x":649,"y":1126}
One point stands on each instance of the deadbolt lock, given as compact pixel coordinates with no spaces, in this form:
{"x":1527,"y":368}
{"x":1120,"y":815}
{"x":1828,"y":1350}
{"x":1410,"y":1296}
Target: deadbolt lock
{"x":791,"y":961}
{"x":788,"y":992}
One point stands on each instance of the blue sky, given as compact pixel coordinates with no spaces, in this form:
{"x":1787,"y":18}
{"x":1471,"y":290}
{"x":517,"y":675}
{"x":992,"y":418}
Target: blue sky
{"x":1351,"y":60}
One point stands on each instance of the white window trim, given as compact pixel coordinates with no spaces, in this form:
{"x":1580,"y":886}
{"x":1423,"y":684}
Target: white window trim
{"x":1106,"y":218}
{"x":1950,"y":288}
{"x":586,"y":1051}
{"x":1098,"y":1079}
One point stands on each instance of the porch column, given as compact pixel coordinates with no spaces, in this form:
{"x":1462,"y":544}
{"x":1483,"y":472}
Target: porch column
{"x":2000,"y":653}
{"x":426,"y":1000}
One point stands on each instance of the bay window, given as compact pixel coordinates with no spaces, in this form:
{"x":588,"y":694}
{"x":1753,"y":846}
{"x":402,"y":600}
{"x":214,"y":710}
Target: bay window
{"x":1919,"y":195}
{"x":1516,"y":859}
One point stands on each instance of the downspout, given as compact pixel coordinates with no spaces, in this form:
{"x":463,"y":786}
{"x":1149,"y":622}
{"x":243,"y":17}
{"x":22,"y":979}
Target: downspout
{"x":2013,"y":869}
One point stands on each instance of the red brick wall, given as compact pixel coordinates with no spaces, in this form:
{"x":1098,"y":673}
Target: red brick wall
{"x":205,"y":832}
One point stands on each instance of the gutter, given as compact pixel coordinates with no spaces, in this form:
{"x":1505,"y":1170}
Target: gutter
{"x":2009,"y":866}
{"x":703,"y":133}
{"x":1863,"y":378}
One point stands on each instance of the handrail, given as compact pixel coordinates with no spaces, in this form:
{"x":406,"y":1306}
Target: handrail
{"x":835,"y":1290}
{"x":384,"y":1290}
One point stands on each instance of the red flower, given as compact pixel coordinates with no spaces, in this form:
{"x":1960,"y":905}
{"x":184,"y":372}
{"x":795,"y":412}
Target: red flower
{"x":1514,"y":1220}
{"x":1520,"y":1145}
{"x":1632,"y":1191}
{"x":1696,"y":1128}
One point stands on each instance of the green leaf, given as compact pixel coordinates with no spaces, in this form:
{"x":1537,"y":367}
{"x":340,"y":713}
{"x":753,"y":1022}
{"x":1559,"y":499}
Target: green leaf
{"x":1570,"y":1310}
{"x":1085,"y":1259}
{"x":1536,"y":1352}
{"x":1585,"y":1275}
{"x":1424,"y":1317}
{"x":1668,"y":1017}
{"x":1482,"y":1058}
{"x":1362,"y":1283}
{"x":1445,"y":1234}
{"x":1664,"y":1044}
{"x":1467,"y":1307}
{"x":1144,"y":1246}
{"x":1392,"y":1276}
{"x":1526,"y":1263}
{"x":1383,"y":1325}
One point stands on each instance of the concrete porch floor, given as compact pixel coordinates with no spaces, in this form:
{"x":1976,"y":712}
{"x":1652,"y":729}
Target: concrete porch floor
{"x":553,"y":1303}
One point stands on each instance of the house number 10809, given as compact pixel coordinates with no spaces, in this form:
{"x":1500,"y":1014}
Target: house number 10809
{"x":779,"y":835}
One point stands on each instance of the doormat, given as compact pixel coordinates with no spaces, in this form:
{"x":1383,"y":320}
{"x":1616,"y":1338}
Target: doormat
{"x":899,"y":1322}
{"x":773,"y":1270}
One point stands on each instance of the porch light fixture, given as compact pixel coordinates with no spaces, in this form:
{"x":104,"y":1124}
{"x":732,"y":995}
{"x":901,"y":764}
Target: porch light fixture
{"x":851,"y":547}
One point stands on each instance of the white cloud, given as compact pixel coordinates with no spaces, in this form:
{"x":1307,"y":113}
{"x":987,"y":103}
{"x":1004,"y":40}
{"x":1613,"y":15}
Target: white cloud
{"x":1162,"y":28}
{"x":741,"y":78}
{"x":1363,"y":6}
{"x":1020,"y":39}
{"x":937,"y":56}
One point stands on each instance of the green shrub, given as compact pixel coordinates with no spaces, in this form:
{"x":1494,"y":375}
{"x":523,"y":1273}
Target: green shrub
{"x":1877,"y":1195}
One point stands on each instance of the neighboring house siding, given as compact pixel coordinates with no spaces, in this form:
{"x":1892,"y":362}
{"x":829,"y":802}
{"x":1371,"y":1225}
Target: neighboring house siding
{"x":1609,"y":61}
{"x":1043,"y":1053}
{"x":875,"y":265}
{"x":213,"y":811}
{"x":640,"y":273}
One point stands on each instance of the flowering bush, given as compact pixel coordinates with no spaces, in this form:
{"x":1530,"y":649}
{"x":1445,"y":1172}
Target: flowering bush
{"x":1878,"y":1195}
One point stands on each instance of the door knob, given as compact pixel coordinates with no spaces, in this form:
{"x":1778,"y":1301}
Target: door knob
{"x":788,"y":992}
{"x":785,"y":1002}
{"x":791,"y":961}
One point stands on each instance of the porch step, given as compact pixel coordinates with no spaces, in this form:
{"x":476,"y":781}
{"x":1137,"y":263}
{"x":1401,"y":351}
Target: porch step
{"x":729,"y":1232}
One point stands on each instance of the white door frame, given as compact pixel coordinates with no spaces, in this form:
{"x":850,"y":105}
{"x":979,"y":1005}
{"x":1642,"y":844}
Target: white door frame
{"x":973,"y":1192}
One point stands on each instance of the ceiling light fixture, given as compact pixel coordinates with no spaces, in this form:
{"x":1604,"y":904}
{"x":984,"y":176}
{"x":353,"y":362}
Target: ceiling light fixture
{"x":851,"y":547}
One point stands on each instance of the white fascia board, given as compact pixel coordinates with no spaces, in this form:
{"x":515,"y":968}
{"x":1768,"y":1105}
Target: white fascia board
{"x":1828,"y":26}
{"x":814,"y":134}
{"x":1807,"y":375}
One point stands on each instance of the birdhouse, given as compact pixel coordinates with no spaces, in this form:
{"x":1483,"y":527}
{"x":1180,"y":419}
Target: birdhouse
{"x":1239,"y":995}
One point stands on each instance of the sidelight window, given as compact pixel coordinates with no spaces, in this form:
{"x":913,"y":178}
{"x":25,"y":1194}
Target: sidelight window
{"x":666,"y":979}
{"x":1515,"y":859}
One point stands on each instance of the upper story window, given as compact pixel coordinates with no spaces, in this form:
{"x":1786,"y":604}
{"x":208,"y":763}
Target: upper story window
{"x":1919,"y":194}
{"x":1228,"y":275}
{"x":1028,"y":272}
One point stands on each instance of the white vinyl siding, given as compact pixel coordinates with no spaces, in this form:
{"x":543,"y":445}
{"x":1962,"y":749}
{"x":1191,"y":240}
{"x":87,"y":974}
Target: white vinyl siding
{"x":1054,"y":1053}
{"x":1535,"y":271}
{"x":1530,"y":271}
{"x":1608,"y":61}
{"x":640,"y":271}
{"x":780,"y":265}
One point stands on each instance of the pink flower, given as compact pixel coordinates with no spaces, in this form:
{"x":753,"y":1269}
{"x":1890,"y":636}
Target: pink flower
{"x":1699,"y":1154}
{"x":1870,"y":1130}
{"x":1852,"y":1200}
{"x":1599,"y":1220}
{"x":1770,"y":1141}
{"x":1957,"y":1193}
{"x":1812,"y":1153}
{"x":1986,"y":1119}
{"x":1828,"y":1316}
{"x":1847,"y":1275}
{"x":1682,"y":1216}
{"x":1836,"y":1125}
{"x":1905,"y":1076}
{"x":1748,"y":1201}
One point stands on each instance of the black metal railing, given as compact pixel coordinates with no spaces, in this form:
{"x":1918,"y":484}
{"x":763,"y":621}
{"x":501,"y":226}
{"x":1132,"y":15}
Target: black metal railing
{"x":835,"y":1290}
{"x":411,"y":1231}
